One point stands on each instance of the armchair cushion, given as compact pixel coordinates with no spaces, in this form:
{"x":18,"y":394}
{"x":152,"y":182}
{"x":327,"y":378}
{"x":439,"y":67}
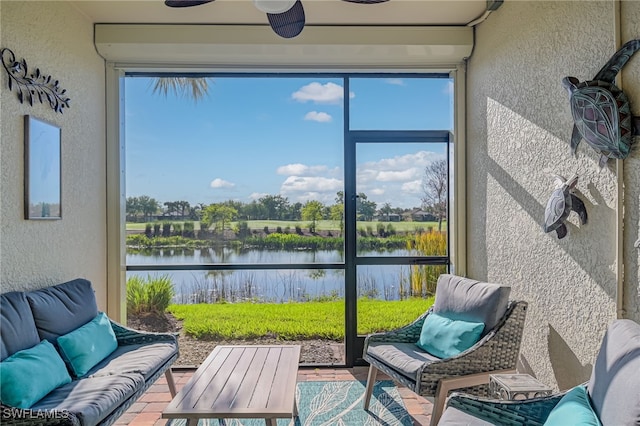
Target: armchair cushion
{"x":405,"y":358}
{"x":614,"y":386}
{"x":471,"y":300}
{"x":573,"y":409}
{"x":452,"y":416}
{"x":445,"y":337}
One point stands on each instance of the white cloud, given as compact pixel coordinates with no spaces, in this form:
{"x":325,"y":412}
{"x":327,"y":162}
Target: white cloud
{"x":395,"y":81}
{"x":413,"y":187}
{"x":298,"y":169}
{"x":257,"y":195}
{"x":304,"y":188}
{"x":221,"y":183}
{"x":310,"y":183}
{"x":329,"y":93}
{"x":321,"y":117}
{"x":396,"y":180}
{"x":397,"y":175}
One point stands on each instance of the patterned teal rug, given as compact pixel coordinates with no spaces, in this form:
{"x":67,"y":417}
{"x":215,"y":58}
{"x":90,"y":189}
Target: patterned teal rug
{"x":334,"y":404}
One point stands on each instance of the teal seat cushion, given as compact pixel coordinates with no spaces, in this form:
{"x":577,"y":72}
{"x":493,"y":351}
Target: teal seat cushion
{"x":30,"y":374}
{"x":573,"y":409}
{"x":445,"y":337}
{"x":88,"y":345}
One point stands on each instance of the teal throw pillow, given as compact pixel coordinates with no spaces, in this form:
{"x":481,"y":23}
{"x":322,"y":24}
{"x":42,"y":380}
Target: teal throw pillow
{"x":444,"y":337}
{"x":574,"y":408}
{"x":29,"y":375}
{"x":86,"y":346}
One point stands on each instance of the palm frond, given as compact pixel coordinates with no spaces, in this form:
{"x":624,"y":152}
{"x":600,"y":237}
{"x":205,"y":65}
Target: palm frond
{"x":196,"y":88}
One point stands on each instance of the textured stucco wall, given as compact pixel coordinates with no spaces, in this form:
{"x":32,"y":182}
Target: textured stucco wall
{"x":54,"y":37}
{"x":630,"y":10}
{"x":519,"y":127}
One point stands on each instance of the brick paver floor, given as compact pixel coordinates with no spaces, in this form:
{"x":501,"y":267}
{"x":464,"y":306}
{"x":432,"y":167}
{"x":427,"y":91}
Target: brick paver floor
{"x":147,"y":411}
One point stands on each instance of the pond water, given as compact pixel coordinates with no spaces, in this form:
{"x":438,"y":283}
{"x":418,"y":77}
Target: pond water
{"x":282,"y":285}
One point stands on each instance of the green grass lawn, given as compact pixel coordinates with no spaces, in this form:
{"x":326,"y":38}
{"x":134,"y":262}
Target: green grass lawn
{"x":293,"y":321}
{"x":321,"y":225}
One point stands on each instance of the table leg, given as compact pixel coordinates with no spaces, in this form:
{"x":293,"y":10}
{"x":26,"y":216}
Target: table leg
{"x":271,"y":422}
{"x":192,"y":422}
{"x":295,"y":408}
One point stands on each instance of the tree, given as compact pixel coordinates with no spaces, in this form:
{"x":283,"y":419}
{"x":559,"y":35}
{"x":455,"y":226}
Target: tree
{"x":365,"y":208}
{"x":183,"y":207}
{"x":149,"y":206}
{"x":196,"y":88}
{"x":218,"y":214}
{"x":133,"y":207}
{"x":435,"y":185}
{"x":337,"y":210}
{"x":276,"y":206}
{"x":386,"y":209}
{"x":337,"y":213}
{"x":312,"y":210}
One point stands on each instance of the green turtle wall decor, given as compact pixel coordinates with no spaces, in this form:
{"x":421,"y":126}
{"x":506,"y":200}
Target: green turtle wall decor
{"x":562,"y":201}
{"x":601,"y":111}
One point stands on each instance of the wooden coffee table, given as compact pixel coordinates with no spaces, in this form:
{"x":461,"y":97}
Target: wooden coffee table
{"x":240,"y":382}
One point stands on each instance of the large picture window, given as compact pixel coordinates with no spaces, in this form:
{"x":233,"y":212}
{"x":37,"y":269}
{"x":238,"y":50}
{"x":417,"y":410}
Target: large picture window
{"x":325,"y":192}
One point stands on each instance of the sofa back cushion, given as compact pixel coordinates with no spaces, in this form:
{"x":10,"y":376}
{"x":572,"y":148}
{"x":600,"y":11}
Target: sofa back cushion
{"x":465,"y":299}
{"x":62,"y":308}
{"x":614,"y":386}
{"x":18,"y":330}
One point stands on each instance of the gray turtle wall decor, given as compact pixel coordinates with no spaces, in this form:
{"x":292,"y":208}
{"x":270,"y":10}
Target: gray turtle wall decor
{"x":600,"y":110}
{"x":562,"y":201}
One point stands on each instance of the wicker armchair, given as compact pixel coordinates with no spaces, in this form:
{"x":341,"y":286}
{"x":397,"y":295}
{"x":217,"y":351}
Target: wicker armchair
{"x":613,"y":392}
{"x":395,"y":353}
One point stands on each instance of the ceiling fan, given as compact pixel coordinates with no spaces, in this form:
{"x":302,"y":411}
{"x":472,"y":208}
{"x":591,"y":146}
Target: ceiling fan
{"x":286,"y":17}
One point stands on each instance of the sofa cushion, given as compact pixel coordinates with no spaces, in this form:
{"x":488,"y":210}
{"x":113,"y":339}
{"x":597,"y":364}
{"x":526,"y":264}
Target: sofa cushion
{"x":62,"y":308}
{"x":614,"y":387}
{"x":444,"y":337}
{"x":30,"y":374}
{"x":405,"y":358}
{"x":87,"y":345}
{"x":471,"y":300}
{"x":92,"y":399}
{"x":144,"y":359}
{"x":17,"y":325}
{"x":455,"y":417}
{"x":574,"y":408}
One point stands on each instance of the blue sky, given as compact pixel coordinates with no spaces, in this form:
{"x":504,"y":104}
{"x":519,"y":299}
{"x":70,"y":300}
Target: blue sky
{"x":256,"y":136}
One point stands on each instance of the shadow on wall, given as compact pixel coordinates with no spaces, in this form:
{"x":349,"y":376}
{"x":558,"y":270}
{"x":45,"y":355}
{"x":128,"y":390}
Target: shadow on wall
{"x":575,"y":245}
{"x":567,"y":368}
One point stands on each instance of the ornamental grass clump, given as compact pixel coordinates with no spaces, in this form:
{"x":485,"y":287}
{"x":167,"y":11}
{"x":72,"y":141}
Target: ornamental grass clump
{"x":424,"y":278}
{"x":153,"y":294}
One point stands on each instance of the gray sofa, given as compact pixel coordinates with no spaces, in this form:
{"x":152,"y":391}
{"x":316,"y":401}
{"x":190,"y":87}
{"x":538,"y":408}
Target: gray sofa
{"x":612,"y":395}
{"x":101,"y":395}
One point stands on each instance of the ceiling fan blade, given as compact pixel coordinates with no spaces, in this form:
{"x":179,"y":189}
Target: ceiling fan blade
{"x":185,"y":3}
{"x":366,"y":1}
{"x":290,"y":23}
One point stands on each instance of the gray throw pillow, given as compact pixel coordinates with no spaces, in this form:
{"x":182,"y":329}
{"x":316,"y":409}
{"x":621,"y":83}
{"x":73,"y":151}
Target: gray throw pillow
{"x":614,"y":386}
{"x":466,"y":299}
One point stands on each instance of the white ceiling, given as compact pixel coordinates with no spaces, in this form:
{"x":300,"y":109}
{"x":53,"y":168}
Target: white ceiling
{"x":318,"y":12}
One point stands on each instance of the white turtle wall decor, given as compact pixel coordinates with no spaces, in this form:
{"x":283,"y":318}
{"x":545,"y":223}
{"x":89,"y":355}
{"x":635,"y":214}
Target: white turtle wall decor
{"x":601,"y":111}
{"x":562,"y":201}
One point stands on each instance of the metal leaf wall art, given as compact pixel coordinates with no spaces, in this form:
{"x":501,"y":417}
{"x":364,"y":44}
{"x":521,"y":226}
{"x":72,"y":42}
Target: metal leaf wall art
{"x":32,"y":86}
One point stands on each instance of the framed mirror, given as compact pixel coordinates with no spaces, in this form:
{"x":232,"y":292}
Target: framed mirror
{"x":42,"y":169}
